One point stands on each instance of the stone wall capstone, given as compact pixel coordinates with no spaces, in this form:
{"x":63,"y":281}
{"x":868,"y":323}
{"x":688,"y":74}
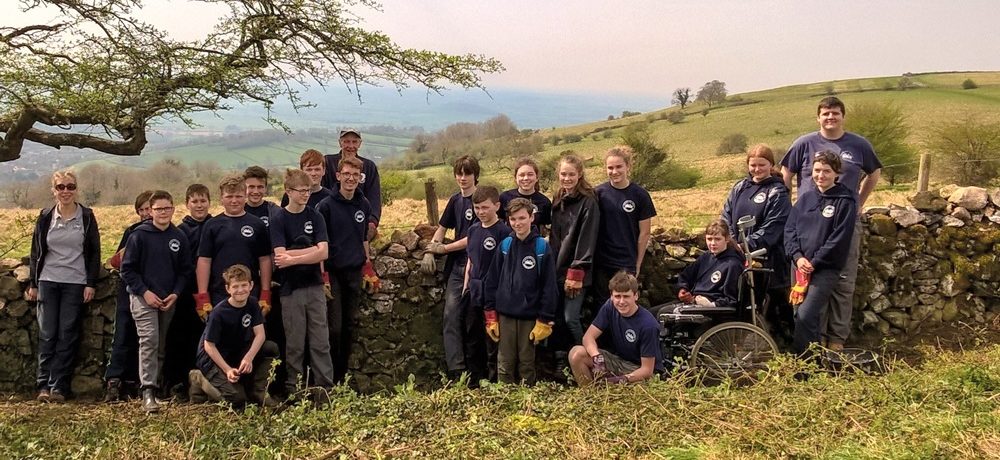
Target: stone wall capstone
{"x":932,"y":261}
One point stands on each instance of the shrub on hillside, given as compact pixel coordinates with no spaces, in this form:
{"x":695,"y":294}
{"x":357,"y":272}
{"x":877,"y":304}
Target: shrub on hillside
{"x":629,"y":113}
{"x":884,"y":125}
{"x":735,"y":143}
{"x":653,"y":166}
{"x":572,"y":138}
{"x":969,"y":84}
{"x":607,"y":134}
{"x":968,"y":150}
{"x":675,"y":117}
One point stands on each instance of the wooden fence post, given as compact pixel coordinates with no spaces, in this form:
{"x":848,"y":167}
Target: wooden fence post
{"x":924,"y":174}
{"x":432,"y":202}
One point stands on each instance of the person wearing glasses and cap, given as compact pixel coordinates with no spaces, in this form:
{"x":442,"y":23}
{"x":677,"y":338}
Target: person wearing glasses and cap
{"x":64,"y":266}
{"x":369,"y":185}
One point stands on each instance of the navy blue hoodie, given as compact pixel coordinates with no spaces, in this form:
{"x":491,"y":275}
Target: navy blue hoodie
{"x":768,"y":201}
{"x":820,"y":227}
{"x":156,"y":260}
{"x":347,"y":227}
{"x":519,"y":285}
{"x":716,"y":276}
{"x":369,"y":183}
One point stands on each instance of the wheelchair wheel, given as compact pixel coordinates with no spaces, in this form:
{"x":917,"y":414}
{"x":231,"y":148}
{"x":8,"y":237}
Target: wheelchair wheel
{"x":735,"y":350}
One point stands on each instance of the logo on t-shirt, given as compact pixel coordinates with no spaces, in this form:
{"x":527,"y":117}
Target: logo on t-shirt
{"x":359,"y":217}
{"x":246,"y":320}
{"x":246,"y":231}
{"x":630,"y":335}
{"x":489,"y":243}
{"x":363,"y":177}
{"x":174,"y":245}
{"x":468,"y":214}
{"x":628,"y":205}
{"x":308,"y":229}
{"x":534,"y":209}
{"x":528,"y":262}
{"x":759,"y":198}
{"x":716,"y":276}
{"x":846,"y":156}
{"x":829,"y":210}
{"x":266,"y":220}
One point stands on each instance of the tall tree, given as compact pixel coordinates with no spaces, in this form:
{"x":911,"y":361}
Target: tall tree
{"x":884,"y":125}
{"x":681,"y":97}
{"x":98,"y":77}
{"x":713,"y":92}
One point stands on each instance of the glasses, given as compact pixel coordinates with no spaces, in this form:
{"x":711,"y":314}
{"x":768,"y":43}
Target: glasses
{"x":303,"y":191}
{"x":165,"y":209}
{"x":61,"y":187}
{"x":350,"y":175}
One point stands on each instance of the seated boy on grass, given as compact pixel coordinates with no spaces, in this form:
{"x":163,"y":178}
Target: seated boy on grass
{"x":234,"y":360}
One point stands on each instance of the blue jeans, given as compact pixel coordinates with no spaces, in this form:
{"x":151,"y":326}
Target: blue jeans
{"x":59,"y":312}
{"x":124,"y":361}
{"x":811,"y":315}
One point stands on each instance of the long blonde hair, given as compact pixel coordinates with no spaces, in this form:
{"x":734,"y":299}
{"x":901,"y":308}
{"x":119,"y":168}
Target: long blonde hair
{"x":582,"y":186}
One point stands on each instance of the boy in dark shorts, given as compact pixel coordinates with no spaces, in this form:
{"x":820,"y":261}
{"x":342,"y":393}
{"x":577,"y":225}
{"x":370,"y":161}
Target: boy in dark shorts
{"x":234,"y":359}
{"x":632,"y":351}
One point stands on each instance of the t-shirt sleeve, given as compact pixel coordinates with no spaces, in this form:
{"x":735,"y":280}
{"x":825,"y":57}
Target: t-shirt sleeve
{"x":213,"y":329}
{"x":277,"y":231}
{"x":206,"y":245}
{"x":871,"y":161}
{"x":257,"y":318}
{"x":319,"y":228}
{"x":603,"y":318}
{"x":793,"y":158}
{"x":448,"y":218}
{"x":649,"y":341}
{"x":262,"y":245}
{"x":647,"y":209}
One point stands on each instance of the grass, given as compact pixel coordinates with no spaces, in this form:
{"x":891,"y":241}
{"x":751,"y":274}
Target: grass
{"x":947,"y":408}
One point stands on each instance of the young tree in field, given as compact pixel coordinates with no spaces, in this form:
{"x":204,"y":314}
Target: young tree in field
{"x":884,"y":125}
{"x":653,"y":165}
{"x":97,"y":65}
{"x":713,"y":92}
{"x":968,"y":150}
{"x":682,"y":96}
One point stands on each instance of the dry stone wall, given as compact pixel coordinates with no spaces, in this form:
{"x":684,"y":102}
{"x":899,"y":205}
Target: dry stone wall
{"x":931,"y":261}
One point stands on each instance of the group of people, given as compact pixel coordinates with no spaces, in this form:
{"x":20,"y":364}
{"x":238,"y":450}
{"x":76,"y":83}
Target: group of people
{"x":195,"y":307}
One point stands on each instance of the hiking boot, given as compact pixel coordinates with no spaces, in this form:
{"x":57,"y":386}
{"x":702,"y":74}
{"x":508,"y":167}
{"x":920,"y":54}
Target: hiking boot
{"x":113,"y":391}
{"x":200,"y":390}
{"x":129,"y":390}
{"x":56,"y":396}
{"x":149,"y":402}
{"x":836,"y":347}
{"x":43,"y":395}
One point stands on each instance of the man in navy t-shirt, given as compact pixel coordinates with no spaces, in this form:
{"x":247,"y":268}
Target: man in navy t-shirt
{"x":626,"y":213}
{"x":256,"y":181}
{"x":629,"y":335}
{"x":857,"y":156}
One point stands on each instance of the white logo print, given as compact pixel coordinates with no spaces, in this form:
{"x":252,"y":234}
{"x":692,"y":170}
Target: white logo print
{"x":716,"y":276}
{"x":489,"y":243}
{"x":363,"y":177}
{"x":759,"y":198}
{"x":528,"y":262}
{"x":628,"y":206}
{"x":468,"y":214}
{"x":630,"y":335}
{"x":846,"y":156}
{"x":534,"y":209}
{"x":246,"y":231}
{"x":174,"y":245}
{"x":308,"y":227}
{"x":266,"y":220}
{"x":359,"y":217}
{"x":246,"y":320}
{"x":829,"y":210}
{"x":772,"y":192}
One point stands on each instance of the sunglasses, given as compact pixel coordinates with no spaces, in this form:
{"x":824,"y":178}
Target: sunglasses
{"x":61,"y":187}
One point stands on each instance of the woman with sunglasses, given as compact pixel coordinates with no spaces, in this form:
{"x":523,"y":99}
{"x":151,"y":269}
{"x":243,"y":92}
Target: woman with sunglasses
{"x":65,"y":261}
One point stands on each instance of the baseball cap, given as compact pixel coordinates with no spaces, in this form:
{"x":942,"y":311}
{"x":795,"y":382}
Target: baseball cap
{"x":346,"y":131}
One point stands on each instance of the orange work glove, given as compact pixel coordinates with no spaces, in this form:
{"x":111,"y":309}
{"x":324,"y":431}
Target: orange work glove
{"x":265,"y":302}
{"x":492,"y":326}
{"x":798,"y":293}
{"x":202,"y":305}
{"x":369,"y":279}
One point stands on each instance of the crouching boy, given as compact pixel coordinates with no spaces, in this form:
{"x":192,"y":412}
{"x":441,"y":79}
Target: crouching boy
{"x":634,"y":349}
{"x":233,"y":359}
{"x":520,"y":294}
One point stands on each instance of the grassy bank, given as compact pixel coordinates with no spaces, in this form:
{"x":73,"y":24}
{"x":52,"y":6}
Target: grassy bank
{"x":947,"y":408}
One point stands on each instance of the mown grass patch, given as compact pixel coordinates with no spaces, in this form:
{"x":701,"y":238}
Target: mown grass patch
{"x":947,"y":408}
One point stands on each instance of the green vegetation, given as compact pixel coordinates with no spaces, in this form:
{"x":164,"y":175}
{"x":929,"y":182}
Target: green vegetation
{"x":945,"y":409}
{"x":969,"y":84}
{"x":884,"y":125}
{"x":967,"y":150}
{"x":653,"y":165}
{"x":735,"y":143}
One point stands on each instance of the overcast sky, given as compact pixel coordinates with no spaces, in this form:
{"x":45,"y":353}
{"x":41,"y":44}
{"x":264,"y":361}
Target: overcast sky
{"x":651,"y":47}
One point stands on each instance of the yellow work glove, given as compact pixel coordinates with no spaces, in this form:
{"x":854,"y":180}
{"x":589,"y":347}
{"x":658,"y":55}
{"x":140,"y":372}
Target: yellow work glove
{"x":541,"y":331}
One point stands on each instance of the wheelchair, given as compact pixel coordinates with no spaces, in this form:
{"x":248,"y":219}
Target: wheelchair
{"x":722,"y":342}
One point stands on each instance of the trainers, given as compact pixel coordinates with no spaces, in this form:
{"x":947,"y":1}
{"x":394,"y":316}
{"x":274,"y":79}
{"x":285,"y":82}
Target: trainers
{"x":113,"y":391}
{"x":149,"y":402}
{"x":56,"y":396}
{"x":43,"y":395}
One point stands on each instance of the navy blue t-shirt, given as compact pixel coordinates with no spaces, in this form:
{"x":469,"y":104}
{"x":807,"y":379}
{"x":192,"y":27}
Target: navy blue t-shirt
{"x":231,"y":330}
{"x":483,"y":244}
{"x":541,"y":215}
{"x":314,"y":198}
{"x":856,"y":154}
{"x":298,"y":231}
{"x":233,"y":240}
{"x":621,"y":212}
{"x":458,"y":215}
{"x":263,"y":212}
{"x":631,"y":338}
{"x":350,"y":219}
